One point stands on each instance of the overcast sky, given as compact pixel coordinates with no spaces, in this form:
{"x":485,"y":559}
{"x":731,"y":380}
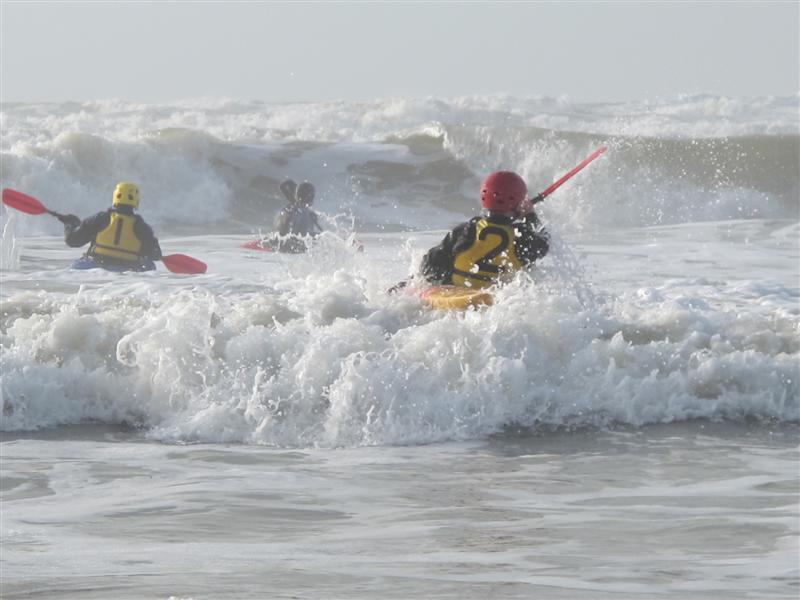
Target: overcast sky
{"x":275,"y":51}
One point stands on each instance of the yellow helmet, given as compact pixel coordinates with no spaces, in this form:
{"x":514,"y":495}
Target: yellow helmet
{"x":126,"y":194}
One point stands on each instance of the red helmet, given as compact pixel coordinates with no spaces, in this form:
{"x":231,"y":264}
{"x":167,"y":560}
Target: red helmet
{"x":503,"y":191}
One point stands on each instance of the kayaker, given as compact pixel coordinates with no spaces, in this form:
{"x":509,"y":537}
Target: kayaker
{"x":119,"y":238}
{"x":489,"y":248}
{"x":297,"y":221}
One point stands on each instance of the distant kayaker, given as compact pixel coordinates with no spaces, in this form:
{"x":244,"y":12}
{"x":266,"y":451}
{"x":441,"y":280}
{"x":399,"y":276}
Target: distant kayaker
{"x":119,"y":238}
{"x":488,"y":248}
{"x":297,"y":221}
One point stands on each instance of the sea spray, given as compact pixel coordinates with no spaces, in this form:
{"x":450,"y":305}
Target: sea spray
{"x":9,"y":245}
{"x":322,"y":360}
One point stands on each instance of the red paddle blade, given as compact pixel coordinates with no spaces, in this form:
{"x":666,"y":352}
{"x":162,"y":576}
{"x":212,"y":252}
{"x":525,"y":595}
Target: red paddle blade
{"x":180,"y":263}
{"x":23,"y":202}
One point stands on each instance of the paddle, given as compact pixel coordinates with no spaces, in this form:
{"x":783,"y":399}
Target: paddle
{"x":25,"y":203}
{"x":177,"y":263}
{"x":180,"y":263}
{"x":288,"y":188}
{"x":557,"y":184}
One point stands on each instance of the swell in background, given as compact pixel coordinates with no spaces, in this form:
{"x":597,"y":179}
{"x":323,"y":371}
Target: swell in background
{"x":214,"y":166}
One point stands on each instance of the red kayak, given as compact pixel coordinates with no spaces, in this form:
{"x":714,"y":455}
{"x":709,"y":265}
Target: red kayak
{"x":262,"y":245}
{"x":270,"y":246}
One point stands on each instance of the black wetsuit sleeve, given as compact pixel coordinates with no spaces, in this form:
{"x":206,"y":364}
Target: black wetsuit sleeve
{"x":80,"y":234}
{"x":150,"y":247}
{"x":533,"y":242}
{"x":437,"y":264}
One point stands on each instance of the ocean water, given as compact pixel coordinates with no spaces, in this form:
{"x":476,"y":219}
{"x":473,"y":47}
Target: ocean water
{"x":622,"y":423}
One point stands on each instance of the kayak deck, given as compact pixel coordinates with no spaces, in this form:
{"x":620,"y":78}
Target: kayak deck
{"x":451,"y":297}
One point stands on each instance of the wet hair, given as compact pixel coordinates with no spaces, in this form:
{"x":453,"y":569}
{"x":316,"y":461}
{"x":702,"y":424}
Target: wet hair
{"x":305,"y":193}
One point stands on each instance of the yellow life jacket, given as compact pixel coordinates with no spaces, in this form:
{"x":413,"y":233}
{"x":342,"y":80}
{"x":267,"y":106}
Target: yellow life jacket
{"x":118,"y":240}
{"x":491,"y":254}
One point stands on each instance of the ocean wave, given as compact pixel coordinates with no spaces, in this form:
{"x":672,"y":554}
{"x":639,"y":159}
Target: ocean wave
{"x":215,"y":166}
{"x":686,"y":116}
{"x":330,"y":360}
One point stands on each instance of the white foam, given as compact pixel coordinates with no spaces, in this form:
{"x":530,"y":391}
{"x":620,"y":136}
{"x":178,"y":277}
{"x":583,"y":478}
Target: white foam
{"x":309,"y":350}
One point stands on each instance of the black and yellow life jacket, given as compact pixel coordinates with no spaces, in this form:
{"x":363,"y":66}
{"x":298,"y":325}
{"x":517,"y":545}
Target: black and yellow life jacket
{"x":118,"y":240}
{"x":491,"y":254}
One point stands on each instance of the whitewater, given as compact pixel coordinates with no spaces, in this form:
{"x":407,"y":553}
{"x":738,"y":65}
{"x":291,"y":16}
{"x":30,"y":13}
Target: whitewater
{"x":622,"y":423}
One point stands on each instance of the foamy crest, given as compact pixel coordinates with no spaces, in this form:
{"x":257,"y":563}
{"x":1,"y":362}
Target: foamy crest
{"x":325,"y":360}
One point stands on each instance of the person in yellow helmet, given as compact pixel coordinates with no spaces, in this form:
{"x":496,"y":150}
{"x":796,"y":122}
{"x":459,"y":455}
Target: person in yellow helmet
{"x":119,"y":239}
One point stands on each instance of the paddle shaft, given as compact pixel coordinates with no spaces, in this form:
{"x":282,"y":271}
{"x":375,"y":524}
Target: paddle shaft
{"x":559,"y":182}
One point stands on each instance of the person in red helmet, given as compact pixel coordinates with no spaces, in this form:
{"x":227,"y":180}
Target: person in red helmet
{"x":490,"y":247}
